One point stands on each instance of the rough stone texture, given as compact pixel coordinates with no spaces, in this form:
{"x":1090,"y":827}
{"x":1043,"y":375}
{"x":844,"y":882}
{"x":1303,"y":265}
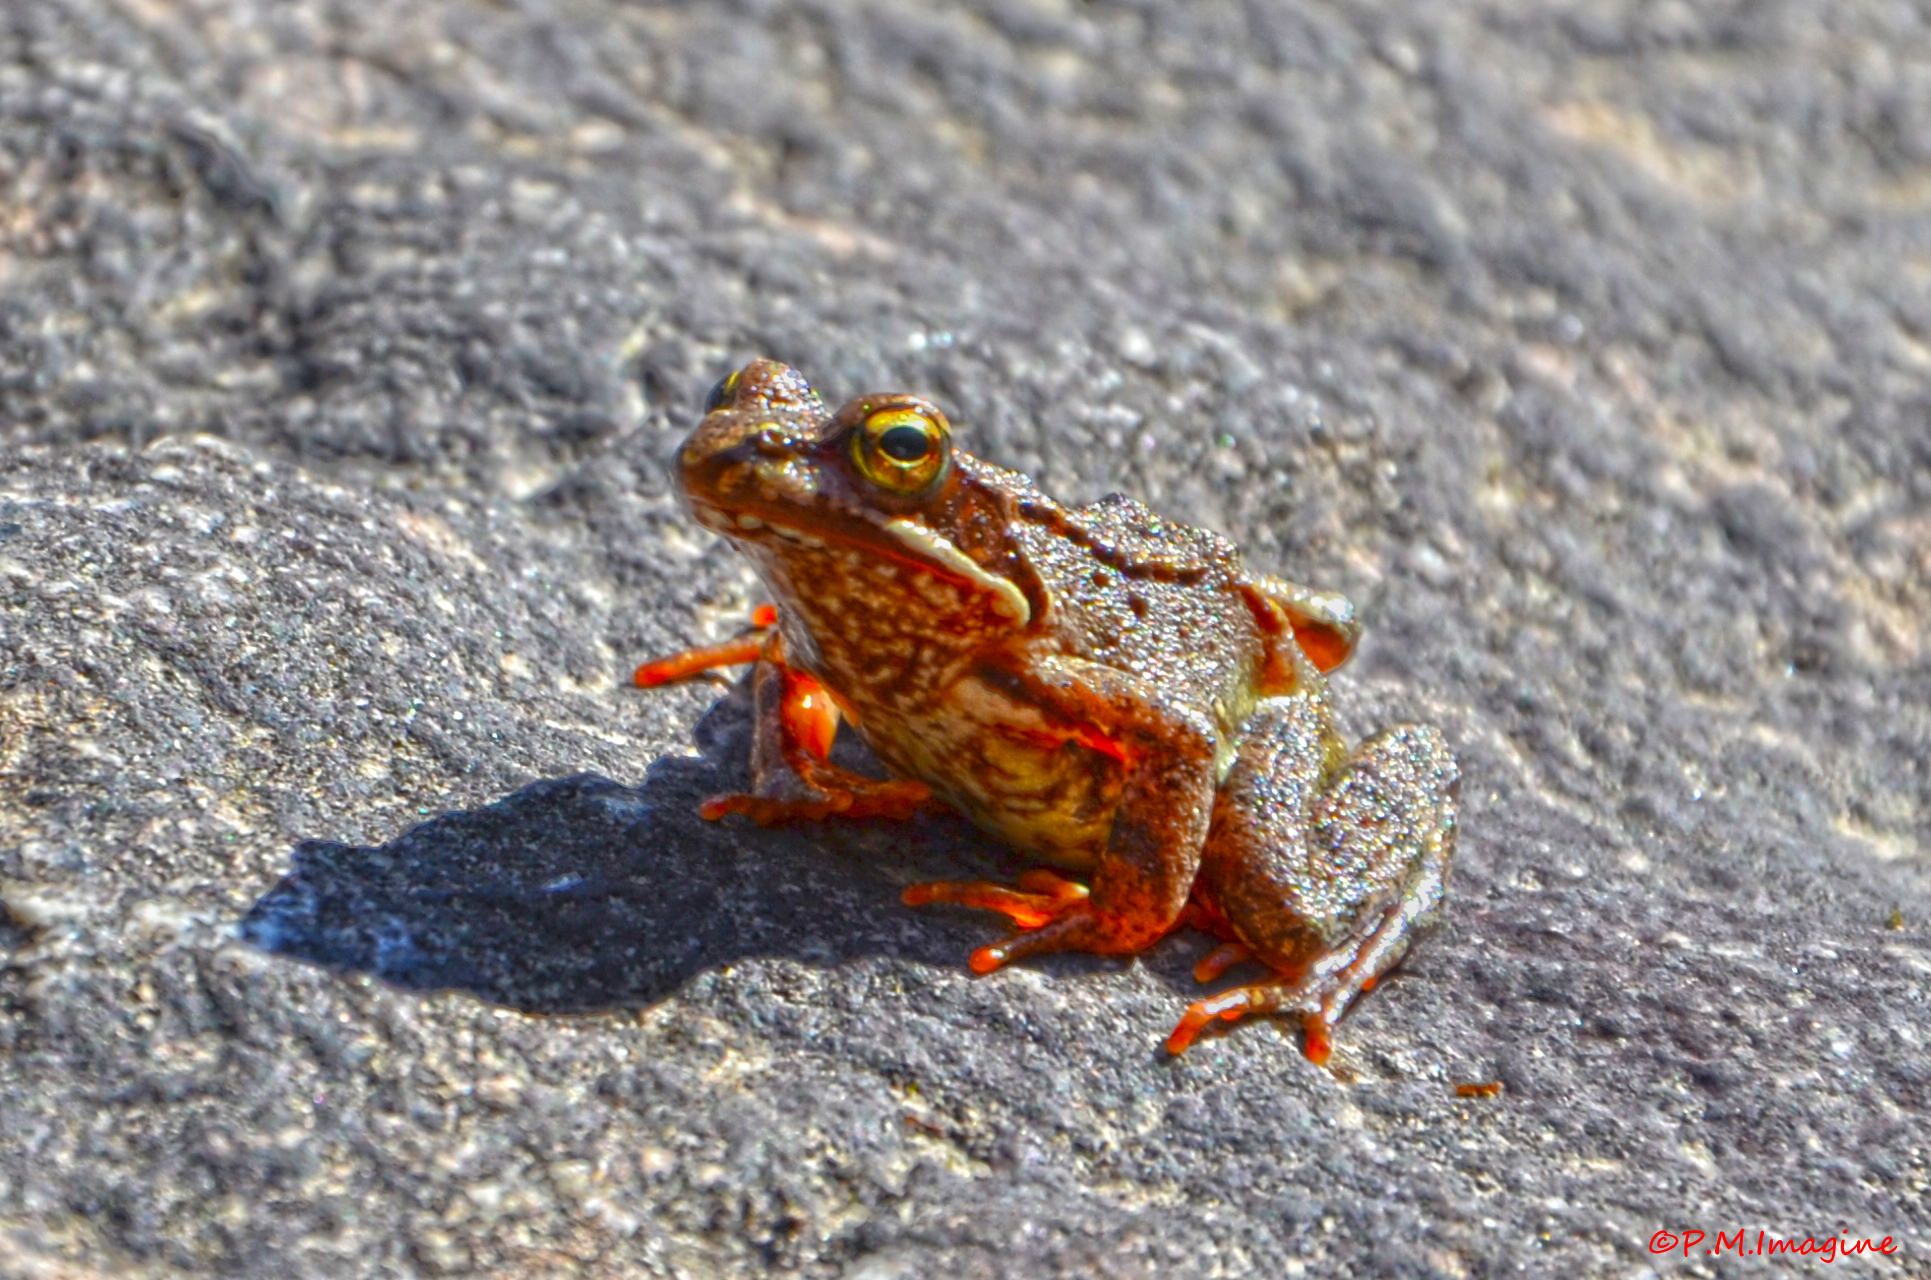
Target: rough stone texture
{"x":1585,"y":344}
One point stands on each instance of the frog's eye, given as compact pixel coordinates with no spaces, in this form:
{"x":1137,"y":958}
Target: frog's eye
{"x":721,"y":393}
{"x":903,"y":450}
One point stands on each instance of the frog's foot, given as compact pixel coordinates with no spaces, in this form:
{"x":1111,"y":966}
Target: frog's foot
{"x":1042,"y":900}
{"x":852,"y":796}
{"x":1321,"y":995}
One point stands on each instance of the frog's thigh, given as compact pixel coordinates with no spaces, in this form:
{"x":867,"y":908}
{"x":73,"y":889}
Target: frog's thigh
{"x":1142,"y":877}
{"x":1303,"y":868}
{"x":1258,"y":870}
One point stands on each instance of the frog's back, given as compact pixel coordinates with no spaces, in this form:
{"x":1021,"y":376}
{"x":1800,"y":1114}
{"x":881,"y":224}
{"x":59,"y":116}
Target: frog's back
{"x":1133,"y":538}
{"x":1141,"y":593}
{"x":1128,"y":538}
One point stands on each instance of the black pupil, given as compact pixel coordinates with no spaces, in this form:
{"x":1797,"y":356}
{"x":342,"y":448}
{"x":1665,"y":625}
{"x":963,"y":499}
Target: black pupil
{"x":907,"y":444}
{"x":719,"y":394}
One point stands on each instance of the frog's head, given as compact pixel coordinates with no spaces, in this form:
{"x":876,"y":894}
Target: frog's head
{"x":868,"y":515}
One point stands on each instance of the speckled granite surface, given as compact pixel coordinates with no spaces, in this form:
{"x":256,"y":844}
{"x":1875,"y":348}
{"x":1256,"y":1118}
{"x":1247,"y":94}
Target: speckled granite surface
{"x":342,"y":347}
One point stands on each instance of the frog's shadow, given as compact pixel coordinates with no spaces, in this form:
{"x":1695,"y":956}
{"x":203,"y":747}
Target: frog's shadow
{"x":580,"y":894}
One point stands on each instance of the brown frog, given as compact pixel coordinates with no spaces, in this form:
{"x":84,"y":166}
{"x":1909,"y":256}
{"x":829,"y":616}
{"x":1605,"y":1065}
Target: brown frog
{"x":1108,"y":690}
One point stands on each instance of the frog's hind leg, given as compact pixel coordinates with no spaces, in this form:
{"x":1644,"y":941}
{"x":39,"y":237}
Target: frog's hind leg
{"x":1161,"y":752}
{"x":1325,"y":877}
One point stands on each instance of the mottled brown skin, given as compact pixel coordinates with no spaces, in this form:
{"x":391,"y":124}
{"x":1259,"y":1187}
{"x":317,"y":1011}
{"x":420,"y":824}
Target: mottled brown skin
{"x":1112,"y":692}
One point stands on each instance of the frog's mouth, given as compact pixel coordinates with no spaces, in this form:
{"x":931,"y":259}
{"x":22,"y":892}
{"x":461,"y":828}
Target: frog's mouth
{"x":896,"y":538}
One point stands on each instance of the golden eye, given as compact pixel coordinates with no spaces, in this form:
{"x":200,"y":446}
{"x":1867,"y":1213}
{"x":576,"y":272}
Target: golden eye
{"x":721,"y":393}
{"x":903,"y":450}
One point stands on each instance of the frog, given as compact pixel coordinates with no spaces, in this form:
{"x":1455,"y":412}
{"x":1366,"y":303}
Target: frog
{"x":1110,"y":692}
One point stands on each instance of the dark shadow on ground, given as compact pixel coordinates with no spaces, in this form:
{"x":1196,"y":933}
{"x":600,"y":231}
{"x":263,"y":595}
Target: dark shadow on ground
{"x":579,"y":894}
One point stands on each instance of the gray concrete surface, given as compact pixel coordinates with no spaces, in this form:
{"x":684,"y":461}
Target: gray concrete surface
{"x":342,"y":347}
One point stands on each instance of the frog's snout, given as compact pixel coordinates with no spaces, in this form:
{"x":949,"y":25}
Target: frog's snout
{"x":756,"y":421}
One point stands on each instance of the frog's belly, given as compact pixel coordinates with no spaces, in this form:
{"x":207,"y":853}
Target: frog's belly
{"x":998,"y":762}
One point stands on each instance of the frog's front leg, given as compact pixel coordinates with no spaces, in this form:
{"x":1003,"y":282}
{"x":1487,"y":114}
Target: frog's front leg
{"x":1164,"y":751}
{"x":1324,"y":874}
{"x":791,"y":778}
{"x":794,"y":723}
{"x":689,"y":662}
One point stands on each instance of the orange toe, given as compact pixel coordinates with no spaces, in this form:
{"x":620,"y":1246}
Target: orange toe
{"x":770,"y":813}
{"x":1220,"y":960}
{"x":985,"y":960}
{"x":1191,"y":1024}
{"x":1027,"y":910}
{"x":689,"y":662}
{"x":1052,"y":884}
{"x":1316,"y":1042}
{"x":1228,"y":1006}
